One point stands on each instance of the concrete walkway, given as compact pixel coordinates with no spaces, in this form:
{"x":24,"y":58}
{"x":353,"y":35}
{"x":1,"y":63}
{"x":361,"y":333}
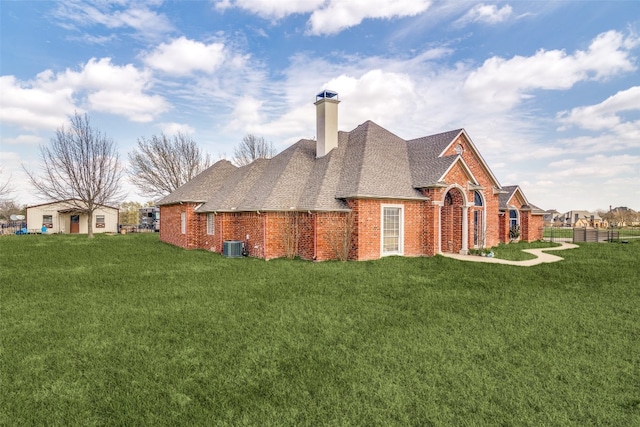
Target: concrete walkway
{"x":540,"y":253}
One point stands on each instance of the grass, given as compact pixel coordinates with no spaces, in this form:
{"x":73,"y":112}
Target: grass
{"x":513,"y":251}
{"x":125,"y":330}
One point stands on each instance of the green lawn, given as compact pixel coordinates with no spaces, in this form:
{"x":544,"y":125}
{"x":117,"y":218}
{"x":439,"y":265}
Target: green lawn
{"x":124,"y":330}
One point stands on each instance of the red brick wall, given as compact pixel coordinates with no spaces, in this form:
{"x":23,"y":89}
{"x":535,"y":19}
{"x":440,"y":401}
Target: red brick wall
{"x":170,"y":225}
{"x":367,"y":224}
{"x":492,"y":204}
{"x":531,"y":226}
{"x":536,"y":227}
{"x":431,"y":220}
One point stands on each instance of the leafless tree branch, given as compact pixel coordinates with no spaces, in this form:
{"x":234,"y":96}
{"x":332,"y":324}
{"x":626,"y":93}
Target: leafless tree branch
{"x":160,"y":165}
{"x":5,"y":188}
{"x":252,"y":148}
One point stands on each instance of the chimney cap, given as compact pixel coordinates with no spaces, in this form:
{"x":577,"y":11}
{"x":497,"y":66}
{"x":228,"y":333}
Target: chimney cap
{"x":327,"y":94}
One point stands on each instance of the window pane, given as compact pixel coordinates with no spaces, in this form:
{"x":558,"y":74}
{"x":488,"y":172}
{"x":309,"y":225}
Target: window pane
{"x":391,"y":230}
{"x":477,"y":198}
{"x":210,"y":224}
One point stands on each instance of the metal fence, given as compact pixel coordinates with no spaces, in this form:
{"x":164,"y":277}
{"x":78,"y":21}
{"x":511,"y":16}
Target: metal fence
{"x":11,"y":227}
{"x":584,"y":234}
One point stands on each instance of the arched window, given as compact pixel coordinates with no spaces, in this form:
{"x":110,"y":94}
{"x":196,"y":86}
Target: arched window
{"x":513,"y":218}
{"x":477,"y":198}
{"x":514,"y":224}
{"x":448,"y":200}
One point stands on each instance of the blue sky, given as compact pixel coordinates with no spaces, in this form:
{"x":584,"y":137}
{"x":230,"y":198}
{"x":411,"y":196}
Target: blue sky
{"x":549,"y":91}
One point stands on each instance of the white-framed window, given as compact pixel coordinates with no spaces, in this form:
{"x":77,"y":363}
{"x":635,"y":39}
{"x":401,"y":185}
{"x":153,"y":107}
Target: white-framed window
{"x":392,"y":236}
{"x":100,"y":221}
{"x":47,"y":221}
{"x":183,"y":222}
{"x":514,"y":221}
{"x":211,"y":227}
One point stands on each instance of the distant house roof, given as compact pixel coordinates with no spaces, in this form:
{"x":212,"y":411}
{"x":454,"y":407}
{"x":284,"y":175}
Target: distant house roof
{"x":69,"y":205}
{"x":581,"y":214}
{"x":369,"y":162}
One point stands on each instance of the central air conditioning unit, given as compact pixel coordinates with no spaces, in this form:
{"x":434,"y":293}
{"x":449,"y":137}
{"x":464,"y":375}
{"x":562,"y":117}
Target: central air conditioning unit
{"x":232,"y":248}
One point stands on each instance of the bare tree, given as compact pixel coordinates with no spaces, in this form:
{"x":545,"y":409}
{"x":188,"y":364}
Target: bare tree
{"x":5,"y":188}
{"x":81,"y":166}
{"x":252,"y":148}
{"x":160,"y":165}
{"x":9,"y":207}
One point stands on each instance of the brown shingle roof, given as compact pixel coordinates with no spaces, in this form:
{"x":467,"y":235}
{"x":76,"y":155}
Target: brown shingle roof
{"x":369,"y":161}
{"x":201,"y":188}
{"x":376,"y":164}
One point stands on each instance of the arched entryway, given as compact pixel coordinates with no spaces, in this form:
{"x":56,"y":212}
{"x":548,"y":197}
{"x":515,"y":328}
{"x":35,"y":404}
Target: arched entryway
{"x":452,"y":221}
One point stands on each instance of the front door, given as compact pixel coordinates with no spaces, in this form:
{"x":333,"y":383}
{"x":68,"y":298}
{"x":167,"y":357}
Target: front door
{"x":75,"y":224}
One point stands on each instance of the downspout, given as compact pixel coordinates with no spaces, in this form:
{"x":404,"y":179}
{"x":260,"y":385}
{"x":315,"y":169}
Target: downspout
{"x":264,"y":236}
{"x":221,"y":238}
{"x":315,"y":237}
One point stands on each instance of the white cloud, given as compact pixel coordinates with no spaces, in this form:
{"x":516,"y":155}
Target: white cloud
{"x":176,"y":128}
{"x":340,"y":14}
{"x":596,"y":167}
{"x":46,"y":101}
{"x":136,"y":106}
{"x":246,"y":113}
{"x":23,"y":140}
{"x":487,"y":14}
{"x":275,"y":9}
{"x":183,"y":56}
{"x":381,"y":96}
{"x":503,"y":83}
{"x":74,"y":14}
{"x":604,"y":115}
{"x":31,"y":106}
{"x":330,"y":16}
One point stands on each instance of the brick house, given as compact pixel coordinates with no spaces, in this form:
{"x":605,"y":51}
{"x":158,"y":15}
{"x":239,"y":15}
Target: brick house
{"x":359,"y":195}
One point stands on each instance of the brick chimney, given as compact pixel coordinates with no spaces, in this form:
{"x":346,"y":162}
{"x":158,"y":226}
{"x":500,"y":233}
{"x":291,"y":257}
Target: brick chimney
{"x":326,"y":122}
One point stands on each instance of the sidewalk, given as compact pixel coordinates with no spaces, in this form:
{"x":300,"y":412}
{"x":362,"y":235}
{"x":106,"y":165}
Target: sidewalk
{"x":542,"y":256}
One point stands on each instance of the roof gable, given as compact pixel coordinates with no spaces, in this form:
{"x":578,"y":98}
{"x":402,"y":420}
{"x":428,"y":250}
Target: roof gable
{"x":458,"y":162}
{"x":510,"y":195}
{"x":449,"y":149}
{"x":201,"y":188}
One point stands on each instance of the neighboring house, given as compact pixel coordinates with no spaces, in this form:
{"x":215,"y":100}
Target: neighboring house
{"x":360,"y":195}
{"x":622,"y":216}
{"x":581,"y":219}
{"x":551,"y":218}
{"x":66,"y":217}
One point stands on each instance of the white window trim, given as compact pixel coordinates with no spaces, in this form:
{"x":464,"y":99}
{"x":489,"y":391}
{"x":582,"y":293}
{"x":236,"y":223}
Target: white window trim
{"x":211,"y":224}
{"x":183,"y":222}
{"x":400,"y":250}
